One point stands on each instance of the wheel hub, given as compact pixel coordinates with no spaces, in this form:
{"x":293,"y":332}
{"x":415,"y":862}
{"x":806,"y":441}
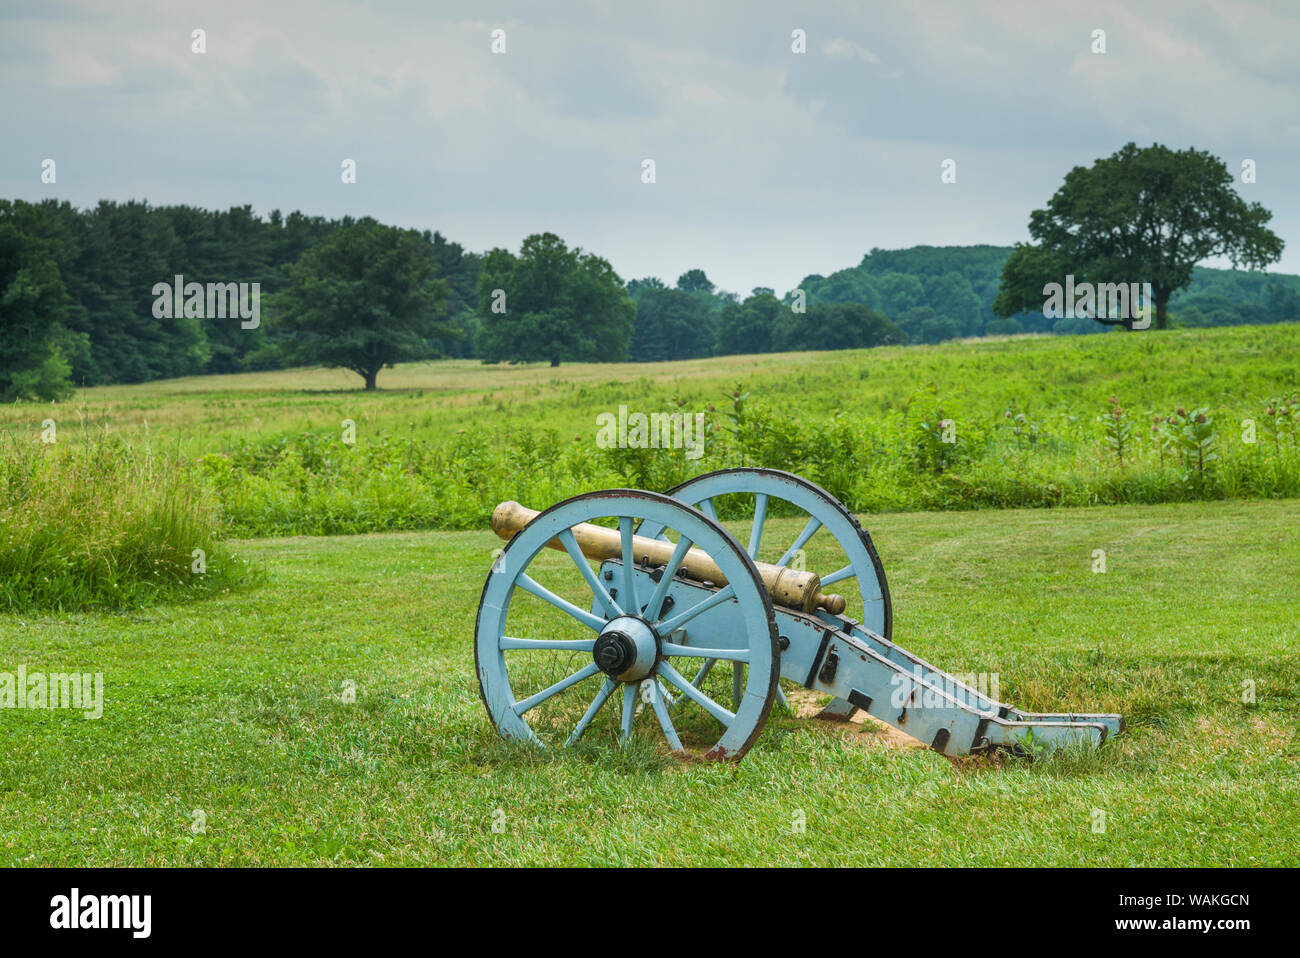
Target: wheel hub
{"x":626,"y":649}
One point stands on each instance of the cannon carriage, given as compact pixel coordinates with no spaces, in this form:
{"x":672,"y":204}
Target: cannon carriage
{"x":690,"y":632}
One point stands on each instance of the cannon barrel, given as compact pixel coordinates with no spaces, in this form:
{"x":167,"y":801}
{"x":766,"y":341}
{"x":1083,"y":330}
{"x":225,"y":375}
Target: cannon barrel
{"x":787,"y":587}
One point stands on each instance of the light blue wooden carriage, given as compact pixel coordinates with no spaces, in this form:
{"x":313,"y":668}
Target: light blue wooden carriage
{"x":673,"y":594}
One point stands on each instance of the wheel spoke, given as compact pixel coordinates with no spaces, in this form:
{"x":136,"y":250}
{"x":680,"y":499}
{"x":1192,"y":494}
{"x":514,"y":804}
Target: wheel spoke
{"x":704,"y":671}
{"x":533,"y":701}
{"x":839,"y":575}
{"x":696,"y":696}
{"x":629,"y":710}
{"x":780,"y":697}
{"x":629,"y":575}
{"x":605,"y":691}
{"x":529,"y":584}
{"x":559,"y":645}
{"x":669,"y":626}
{"x":706,"y":506}
{"x":813,"y":525}
{"x":756,"y":533}
{"x":674,"y":563}
{"x":597,"y":587}
{"x":666,"y":723}
{"x":731,"y":655}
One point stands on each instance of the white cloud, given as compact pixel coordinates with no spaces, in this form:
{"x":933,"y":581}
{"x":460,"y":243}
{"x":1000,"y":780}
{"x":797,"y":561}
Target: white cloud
{"x":842,"y":49}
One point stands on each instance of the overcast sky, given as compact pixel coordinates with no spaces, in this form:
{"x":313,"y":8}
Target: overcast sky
{"x":770,"y":164}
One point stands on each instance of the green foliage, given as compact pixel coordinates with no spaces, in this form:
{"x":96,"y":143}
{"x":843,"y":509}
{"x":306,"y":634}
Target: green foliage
{"x":109,"y":258}
{"x":747,"y":327}
{"x":933,"y":440}
{"x":32,"y":310}
{"x":1024,"y":431}
{"x":1118,"y":430}
{"x":448,"y":441}
{"x":821,"y":450}
{"x":833,"y":326}
{"x":921,"y":324}
{"x":695,"y":281}
{"x":1024,"y":273}
{"x":365,"y":298}
{"x":932,"y":293}
{"x":104,"y":525}
{"x":1004,"y":327}
{"x":672,"y":324}
{"x":49,"y":382}
{"x":737,"y":397}
{"x":1195,"y":438}
{"x":553,"y":304}
{"x":1140,"y":215}
{"x":1282,"y":419}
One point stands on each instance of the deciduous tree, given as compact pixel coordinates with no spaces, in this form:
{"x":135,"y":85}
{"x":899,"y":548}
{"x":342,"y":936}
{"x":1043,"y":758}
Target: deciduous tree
{"x":1142,"y":215}
{"x":365,"y":298}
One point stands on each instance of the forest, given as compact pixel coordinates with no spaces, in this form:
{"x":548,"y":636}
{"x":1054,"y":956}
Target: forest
{"x":76,"y":298}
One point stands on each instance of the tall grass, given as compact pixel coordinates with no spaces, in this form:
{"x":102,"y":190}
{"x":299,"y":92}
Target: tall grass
{"x":1033,"y":424}
{"x":314,"y":484}
{"x":100,"y":524}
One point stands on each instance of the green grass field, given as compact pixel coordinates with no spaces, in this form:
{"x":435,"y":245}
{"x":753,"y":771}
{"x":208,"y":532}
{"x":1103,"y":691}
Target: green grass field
{"x":1016,"y":422}
{"x":232,"y":703}
{"x":1233,"y":369}
{"x":233,"y":706}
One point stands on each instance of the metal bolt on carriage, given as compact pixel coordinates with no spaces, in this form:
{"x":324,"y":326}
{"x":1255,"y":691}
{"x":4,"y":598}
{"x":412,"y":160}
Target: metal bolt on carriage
{"x":660,"y":594}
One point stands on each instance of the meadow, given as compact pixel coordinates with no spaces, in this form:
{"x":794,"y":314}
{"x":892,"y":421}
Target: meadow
{"x":309,"y":697}
{"x":1017,"y":422}
{"x":235,"y":707}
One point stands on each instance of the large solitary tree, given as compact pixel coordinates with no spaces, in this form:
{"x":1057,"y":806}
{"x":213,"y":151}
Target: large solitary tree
{"x":366,"y":297}
{"x":1141,"y":215}
{"x":551,"y":303}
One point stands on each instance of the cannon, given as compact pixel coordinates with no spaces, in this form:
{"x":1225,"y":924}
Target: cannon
{"x":651,"y":592}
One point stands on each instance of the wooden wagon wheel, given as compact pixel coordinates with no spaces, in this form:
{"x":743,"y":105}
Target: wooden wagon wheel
{"x":858,"y":560}
{"x":546,"y":665}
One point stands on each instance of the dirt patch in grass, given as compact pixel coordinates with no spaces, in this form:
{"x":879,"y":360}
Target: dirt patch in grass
{"x":808,"y":704}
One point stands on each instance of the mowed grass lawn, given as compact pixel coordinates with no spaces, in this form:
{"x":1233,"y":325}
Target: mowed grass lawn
{"x":233,"y":706}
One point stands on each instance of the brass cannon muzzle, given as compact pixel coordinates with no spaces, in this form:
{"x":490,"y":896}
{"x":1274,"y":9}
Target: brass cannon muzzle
{"x":787,"y":587}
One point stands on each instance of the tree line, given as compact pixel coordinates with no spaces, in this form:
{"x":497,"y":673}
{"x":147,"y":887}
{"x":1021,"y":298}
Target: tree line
{"x":77,"y":290}
{"x":79,"y":287}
